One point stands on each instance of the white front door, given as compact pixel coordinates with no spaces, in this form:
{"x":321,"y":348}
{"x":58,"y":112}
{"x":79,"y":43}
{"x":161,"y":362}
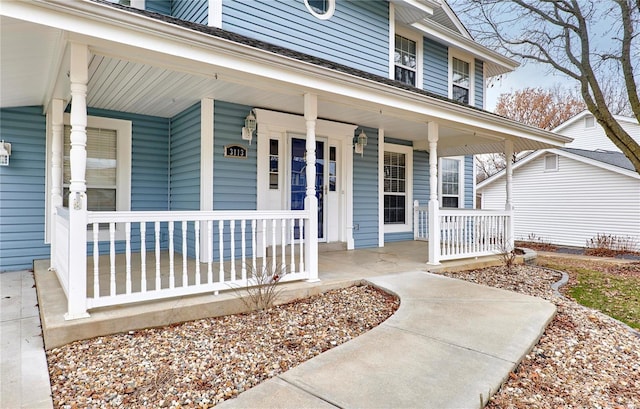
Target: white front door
{"x":281,"y":171}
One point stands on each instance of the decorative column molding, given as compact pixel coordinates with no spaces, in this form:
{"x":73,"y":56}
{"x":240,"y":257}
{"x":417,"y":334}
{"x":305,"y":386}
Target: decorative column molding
{"x":510,"y":229}
{"x":77,"y":290}
{"x":310,"y":200}
{"x":214,"y":18}
{"x":57,"y":145}
{"x":434,"y":205}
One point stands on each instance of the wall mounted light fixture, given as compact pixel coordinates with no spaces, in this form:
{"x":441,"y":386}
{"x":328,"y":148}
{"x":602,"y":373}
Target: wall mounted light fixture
{"x":249,"y":127}
{"x":5,"y":152}
{"x":360,"y":142}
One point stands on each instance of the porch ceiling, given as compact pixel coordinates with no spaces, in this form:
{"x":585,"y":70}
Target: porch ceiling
{"x":126,"y":78}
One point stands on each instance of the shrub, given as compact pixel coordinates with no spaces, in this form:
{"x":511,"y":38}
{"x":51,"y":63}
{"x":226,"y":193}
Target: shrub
{"x":608,"y":245}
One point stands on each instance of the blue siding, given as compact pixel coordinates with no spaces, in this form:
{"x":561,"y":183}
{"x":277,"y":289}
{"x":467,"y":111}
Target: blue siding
{"x":435,"y":75}
{"x":195,"y":11}
{"x":365,"y":193}
{"x":479,"y":84}
{"x":185,"y":160}
{"x":468,"y":182}
{"x":22,"y":189}
{"x":357,"y":35}
{"x":234,"y":180}
{"x":185,"y":170}
{"x":159,"y":6}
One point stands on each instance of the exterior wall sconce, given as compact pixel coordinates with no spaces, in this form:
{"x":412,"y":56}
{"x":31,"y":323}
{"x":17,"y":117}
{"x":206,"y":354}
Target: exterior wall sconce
{"x":360,"y":142}
{"x":5,"y":152}
{"x":249,"y":127}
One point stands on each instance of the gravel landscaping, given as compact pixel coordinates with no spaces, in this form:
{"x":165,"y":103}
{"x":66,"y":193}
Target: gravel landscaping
{"x":584,"y":359}
{"x":204,"y":362}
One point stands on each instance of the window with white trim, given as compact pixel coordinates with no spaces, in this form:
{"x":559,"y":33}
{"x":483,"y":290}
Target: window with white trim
{"x":407,"y":57}
{"x":397,"y":181}
{"x":108,"y":166}
{"x":451,"y":177}
{"x":461,"y":75}
{"x":322,"y":9}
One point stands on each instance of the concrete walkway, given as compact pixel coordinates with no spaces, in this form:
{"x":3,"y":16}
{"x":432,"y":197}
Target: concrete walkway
{"x":24,"y":377}
{"x":451,"y":344}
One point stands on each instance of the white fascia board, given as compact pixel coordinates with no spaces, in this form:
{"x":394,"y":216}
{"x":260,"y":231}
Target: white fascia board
{"x":426,"y":6}
{"x":455,"y":20}
{"x":99,"y":22}
{"x":456,"y":40}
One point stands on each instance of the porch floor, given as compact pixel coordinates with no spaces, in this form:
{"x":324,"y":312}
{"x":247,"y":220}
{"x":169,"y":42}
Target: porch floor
{"x":337,"y":269}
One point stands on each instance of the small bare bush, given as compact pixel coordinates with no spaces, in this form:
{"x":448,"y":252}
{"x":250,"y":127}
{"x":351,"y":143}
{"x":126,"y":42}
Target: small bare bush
{"x":608,"y":245}
{"x":535,"y":242}
{"x":261,"y":290}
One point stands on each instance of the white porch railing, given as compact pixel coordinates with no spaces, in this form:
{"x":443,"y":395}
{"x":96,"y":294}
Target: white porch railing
{"x":466,"y":233}
{"x":60,"y":257}
{"x":420,"y":222}
{"x":473,"y":233}
{"x":142,"y":256}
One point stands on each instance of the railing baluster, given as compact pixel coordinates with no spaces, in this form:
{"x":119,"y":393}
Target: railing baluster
{"x":112,"y":258}
{"x":143,"y":257}
{"x":96,"y":260}
{"x":127,"y":232}
{"x":254,"y":225}
{"x":273,"y":245}
{"x":283,"y":229}
{"x":292,"y":245}
{"x":185,"y":277}
{"x":196,"y":233}
{"x":171,"y":255}
{"x":157,"y":243}
{"x":301,"y":234}
{"x":221,"y":248}
{"x":232,"y":243}
{"x":264,"y":245}
{"x":210,"y":250}
{"x":243,"y":266}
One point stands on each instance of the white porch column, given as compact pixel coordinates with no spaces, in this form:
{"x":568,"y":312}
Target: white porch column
{"x":77,"y":294}
{"x":508,"y":156}
{"x":206,"y":171}
{"x":434,"y":205}
{"x":310,"y":200}
{"x":57,"y":145}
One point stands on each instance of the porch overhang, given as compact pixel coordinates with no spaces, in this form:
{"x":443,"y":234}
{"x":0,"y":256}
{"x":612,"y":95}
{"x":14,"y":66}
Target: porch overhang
{"x":143,"y":64}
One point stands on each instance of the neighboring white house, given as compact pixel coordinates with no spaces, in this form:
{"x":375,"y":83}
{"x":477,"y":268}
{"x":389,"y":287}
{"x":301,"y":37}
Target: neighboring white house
{"x":568,"y":196}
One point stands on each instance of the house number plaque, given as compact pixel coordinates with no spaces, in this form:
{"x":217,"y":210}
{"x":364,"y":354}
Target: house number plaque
{"x":235,"y":151}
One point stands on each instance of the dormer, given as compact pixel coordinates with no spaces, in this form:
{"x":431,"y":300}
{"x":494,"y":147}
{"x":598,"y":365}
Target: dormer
{"x":431,"y":49}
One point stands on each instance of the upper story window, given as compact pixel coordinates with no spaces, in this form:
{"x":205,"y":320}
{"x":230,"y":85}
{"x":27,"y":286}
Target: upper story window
{"x":322,"y":9}
{"x":405,"y":60}
{"x":550,"y":163}
{"x":460,"y":81}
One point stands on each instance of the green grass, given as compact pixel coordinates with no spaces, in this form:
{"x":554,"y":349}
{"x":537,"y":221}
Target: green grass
{"x":615,"y":295}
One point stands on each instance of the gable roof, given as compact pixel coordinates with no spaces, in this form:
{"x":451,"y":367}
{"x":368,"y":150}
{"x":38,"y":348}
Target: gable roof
{"x":612,"y":161}
{"x":585,"y":113}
